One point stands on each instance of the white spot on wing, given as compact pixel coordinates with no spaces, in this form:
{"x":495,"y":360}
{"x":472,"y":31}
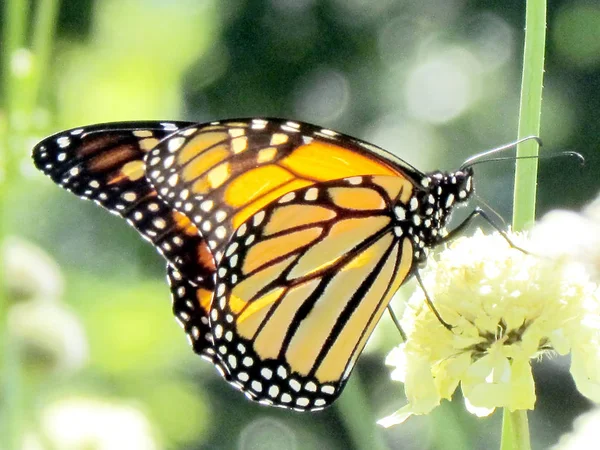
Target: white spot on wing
{"x":258,"y":218}
{"x":63,"y":141}
{"x":221,"y":232}
{"x":311,"y":194}
{"x":287,"y":197}
{"x":328,"y":389}
{"x":413,"y":204}
{"x":328,"y":132}
{"x":206,"y":205}
{"x":400,"y":213}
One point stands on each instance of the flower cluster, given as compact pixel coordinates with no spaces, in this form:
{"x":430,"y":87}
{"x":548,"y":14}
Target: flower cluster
{"x":49,"y":335}
{"x":571,"y":235}
{"x":505,"y":307}
{"x":82,"y":422}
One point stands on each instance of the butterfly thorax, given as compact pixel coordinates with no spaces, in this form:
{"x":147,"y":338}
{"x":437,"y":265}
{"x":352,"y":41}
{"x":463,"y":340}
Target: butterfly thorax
{"x":425,"y":216}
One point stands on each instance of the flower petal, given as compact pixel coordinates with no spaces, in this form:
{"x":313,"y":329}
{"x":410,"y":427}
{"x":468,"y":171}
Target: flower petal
{"x":396,"y":418}
{"x":494,"y":381}
{"x":522,"y":387}
{"x":420,"y":386}
{"x":585,"y":369}
{"x":397,"y":359}
{"x":478,"y":411}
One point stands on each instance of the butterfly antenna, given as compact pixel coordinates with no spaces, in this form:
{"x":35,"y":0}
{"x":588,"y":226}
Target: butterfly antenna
{"x":579,"y":156}
{"x":477,"y":159}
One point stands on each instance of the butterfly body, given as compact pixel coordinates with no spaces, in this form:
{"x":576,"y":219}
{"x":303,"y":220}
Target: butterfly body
{"x":285,"y":241}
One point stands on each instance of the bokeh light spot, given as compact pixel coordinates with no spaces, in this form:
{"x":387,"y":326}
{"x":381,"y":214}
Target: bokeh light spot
{"x":443,"y":86}
{"x":577,"y":34}
{"x":413,"y":141}
{"x":491,"y":40}
{"x":267,"y":434}
{"x":322,"y":95}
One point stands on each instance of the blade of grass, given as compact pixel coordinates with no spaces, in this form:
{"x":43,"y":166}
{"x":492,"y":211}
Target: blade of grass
{"x":14,"y":37}
{"x":530,"y":114}
{"x":20,"y":90}
{"x":515,"y":427}
{"x":43,"y":37}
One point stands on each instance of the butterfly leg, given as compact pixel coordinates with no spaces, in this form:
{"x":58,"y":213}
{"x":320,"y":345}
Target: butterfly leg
{"x":396,"y":322}
{"x":478,"y":212}
{"x":430,"y":303}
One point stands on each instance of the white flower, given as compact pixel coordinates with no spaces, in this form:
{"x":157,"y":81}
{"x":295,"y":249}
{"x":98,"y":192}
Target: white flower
{"x":505,"y":308}
{"x":29,"y":272}
{"x":49,"y":334}
{"x":574,"y":236}
{"x":585,"y":434}
{"x":21,"y":62}
{"x":78,"y":423}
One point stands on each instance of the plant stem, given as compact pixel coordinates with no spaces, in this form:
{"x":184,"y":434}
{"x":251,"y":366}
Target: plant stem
{"x":515,"y":430}
{"x":15,"y":15}
{"x":21,"y":78}
{"x":43,"y":37}
{"x":530,"y":113}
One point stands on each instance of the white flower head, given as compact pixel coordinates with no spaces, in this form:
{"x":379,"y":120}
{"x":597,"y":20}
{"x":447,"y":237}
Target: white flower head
{"x":571,"y":235}
{"x":49,"y":334}
{"x":29,"y":272}
{"x":505,"y":308}
{"x":585,"y":434}
{"x":76,"y":423}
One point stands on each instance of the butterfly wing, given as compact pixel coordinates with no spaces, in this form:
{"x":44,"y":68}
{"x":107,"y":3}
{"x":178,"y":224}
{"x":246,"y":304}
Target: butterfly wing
{"x":191,"y":305}
{"x":301,"y":286}
{"x":311,"y":266}
{"x":105,"y":163}
{"x":222,"y":173}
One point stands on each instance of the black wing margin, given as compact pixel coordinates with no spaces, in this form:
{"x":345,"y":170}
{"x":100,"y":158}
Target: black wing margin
{"x":105,"y":163}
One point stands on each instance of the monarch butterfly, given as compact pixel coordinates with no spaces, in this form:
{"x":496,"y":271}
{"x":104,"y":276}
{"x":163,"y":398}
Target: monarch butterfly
{"x":284,"y":241}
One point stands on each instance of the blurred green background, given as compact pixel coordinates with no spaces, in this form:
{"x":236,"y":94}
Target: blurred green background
{"x":91,"y":355}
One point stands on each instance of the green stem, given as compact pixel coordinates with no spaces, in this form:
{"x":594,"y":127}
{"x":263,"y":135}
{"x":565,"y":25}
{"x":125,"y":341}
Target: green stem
{"x":41,"y":46}
{"x":12,"y":407}
{"x":15,"y":15}
{"x":515,"y":430}
{"x":14,"y":38}
{"x":20,"y":91}
{"x":356,"y":415}
{"x":530,"y":113}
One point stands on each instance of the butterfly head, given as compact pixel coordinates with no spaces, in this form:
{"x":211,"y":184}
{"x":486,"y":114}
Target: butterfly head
{"x":425,"y":216}
{"x":453,"y":187}
{"x":449,"y":189}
